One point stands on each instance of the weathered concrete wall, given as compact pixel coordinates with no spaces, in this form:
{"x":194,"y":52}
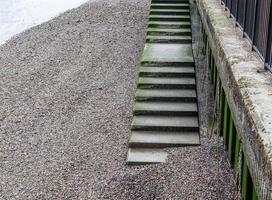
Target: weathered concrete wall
{"x":248,"y":89}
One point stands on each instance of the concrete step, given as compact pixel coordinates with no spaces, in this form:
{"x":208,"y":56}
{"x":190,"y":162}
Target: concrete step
{"x":162,"y":31}
{"x":168,"y":39}
{"x":154,"y":139}
{"x":168,"y":53}
{"x":181,"y":95}
{"x":166,"y":108}
{"x":169,"y":12}
{"x":170,"y":1}
{"x":167,"y":71}
{"x":145,"y":156}
{"x":169,"y":25}
{"x":166,"y":83}
{"x":165,"y":123}
{"x":171,"y":18}
{"x":169,"y":6}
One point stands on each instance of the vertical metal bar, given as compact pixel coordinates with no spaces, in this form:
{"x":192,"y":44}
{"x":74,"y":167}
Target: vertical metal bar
{"x":230,"y":138}
{"x":232,"y":141}
{"x":244,"y":19}
{"x":211,"y":58}
{"x":245,"y":177}
{"x":230,"y":8}
{"x":254,"y":24}
{"x":222,"y":104}
{"x":209,"y":55}
{"x":214,"y":77}
{"x":212,"y":67}
{"x":269,"y":36}
{"x":236,"y":11}
{"x":254,"y":194}
{"x":226,"y":122}
{"x":237,"y":151}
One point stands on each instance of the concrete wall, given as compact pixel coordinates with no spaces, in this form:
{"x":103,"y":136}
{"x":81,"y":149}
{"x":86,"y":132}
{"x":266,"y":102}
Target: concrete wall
{"x":241,"y":80}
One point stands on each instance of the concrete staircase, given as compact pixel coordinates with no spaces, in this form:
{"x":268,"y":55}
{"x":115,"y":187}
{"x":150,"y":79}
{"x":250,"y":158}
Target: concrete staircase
{"x":165,"y":112}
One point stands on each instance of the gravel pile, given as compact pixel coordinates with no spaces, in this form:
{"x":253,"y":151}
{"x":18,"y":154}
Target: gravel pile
{"x":66,"y":92}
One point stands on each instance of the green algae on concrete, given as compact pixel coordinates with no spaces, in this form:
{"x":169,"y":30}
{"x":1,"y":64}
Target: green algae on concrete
{"x":166,"y":94}
{"x":174,"y":107}
{"x":169,"y":39}
{"x":169,"y":31}
{"x":166,"y":82}
{"x":168,"y":53}
{"x":164,"y":24}
{"x":167,"y":69}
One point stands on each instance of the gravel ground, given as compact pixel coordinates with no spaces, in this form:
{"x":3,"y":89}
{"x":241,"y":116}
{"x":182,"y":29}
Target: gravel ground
{"x":66,"y":92}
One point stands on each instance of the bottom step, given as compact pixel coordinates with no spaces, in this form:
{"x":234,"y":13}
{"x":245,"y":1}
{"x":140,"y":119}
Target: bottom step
{"x":154,"y":139}
{"x":146,"y":156}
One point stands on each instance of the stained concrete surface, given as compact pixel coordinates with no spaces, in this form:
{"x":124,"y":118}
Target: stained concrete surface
{"x":67,"y":89}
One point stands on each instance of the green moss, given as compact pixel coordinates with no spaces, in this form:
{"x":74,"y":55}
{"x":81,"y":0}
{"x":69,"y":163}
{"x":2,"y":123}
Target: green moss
{"x":189,"y":52}
{"x":244,"y":82}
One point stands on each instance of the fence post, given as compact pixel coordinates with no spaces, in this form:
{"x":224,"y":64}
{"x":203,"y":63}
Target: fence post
{"x":269,"y":38}
{"x":236,"y":12}
{"x":244,"y":19}
{"x":254,"y":24}
{"x":230,"y":8}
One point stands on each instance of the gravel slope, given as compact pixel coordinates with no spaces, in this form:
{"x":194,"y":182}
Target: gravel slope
{"x":66,"y":92}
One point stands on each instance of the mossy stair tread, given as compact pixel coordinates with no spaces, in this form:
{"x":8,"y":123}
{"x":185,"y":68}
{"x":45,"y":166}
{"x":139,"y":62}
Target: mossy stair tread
{"x":171,"y":16}
{"x":146,"y":156}
{"x":170,"y":4}
{"x":164,"y":93}
{"x":169,"y":39}
{"x":168,"y":23}
{"x":165,"y":122}
{"x":169,"y":30}
{"x":163,"y":139}
{"x":165,"y":70}
{"x":165,"y":107}
{"x":186,"y":81}
{"x":170,"y":1}
{"x":167,"y":53}
{"x":170,"y":10}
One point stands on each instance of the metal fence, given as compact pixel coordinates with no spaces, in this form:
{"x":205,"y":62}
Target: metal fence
{"x":255,"y":19}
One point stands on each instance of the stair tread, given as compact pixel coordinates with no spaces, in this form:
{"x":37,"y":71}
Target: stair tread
{"x":169,"y":37}
{"x":170,"y":1}
{"x":146,"y":156}
{"x":169,"y":30}
{"x":166,"y":81}
{"x":169,"y":4}
{"x":167,"y":69}
{"x":191,"y":93}
{"x":169,"y":10}
{"x":170,"y":16}
{"x":167,"y":53}
{"x":169,"y":23}
{"x":165,"y":121}
{"x":162,"y":138}
{"x":166,"y":106}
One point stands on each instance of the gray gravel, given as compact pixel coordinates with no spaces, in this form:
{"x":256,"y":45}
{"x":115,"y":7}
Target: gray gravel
{"x":66,"y":92}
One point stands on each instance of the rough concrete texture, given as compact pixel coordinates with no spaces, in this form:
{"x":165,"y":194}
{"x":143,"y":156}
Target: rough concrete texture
{"x":248,"y":88}
{"x":66,"y":92}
